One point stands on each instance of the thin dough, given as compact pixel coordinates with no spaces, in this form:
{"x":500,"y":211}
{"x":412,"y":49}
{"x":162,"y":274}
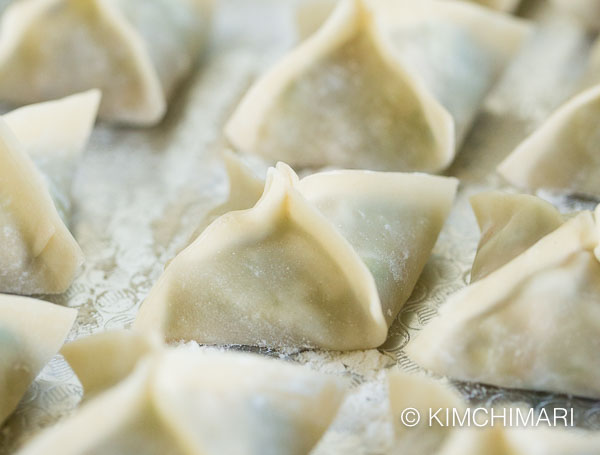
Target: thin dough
{"x":381,"y":85}
{"x":31,"y":333}
{"x":422,"y":394}
{"x":533,"y":323}
{"x":476,"y":436}
{"x":53,"y":48}
{"x":563,"y":153}
{"x":587,"y":12}
{"x":509,"y":224}
{"x":311,"y":14}
{"x":326,"y":261}
{"x":39,"y":147}
{"x":188,"y":402}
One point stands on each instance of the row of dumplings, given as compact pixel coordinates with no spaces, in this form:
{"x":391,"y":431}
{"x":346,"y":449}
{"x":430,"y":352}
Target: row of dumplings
{"x":188,"y":401}
{"x":325,"y":261}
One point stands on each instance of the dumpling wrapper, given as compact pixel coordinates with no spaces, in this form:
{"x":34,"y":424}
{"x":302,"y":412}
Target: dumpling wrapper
{"x":509,"y":225}
{"x":326,"y":261}
{"x":31,"y":333}
{"x":426,"y":395}
{"x":180,"y":402}
{"x":562,"y":154}
{"x":103,"y":360}
{"x":311,"y":14}
{"x":521,"y":441}
{"x":500,"y":5}
{"x":587,"y":12}
{"x":53,"y":48}
{"x":39,"y":147}
{"x":534,"y":323}
{"x":420,"y":393}
{"x":381,"y":85}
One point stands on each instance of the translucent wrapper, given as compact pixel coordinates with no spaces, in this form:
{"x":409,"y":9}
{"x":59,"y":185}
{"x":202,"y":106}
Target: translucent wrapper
{"x":140,"y":194}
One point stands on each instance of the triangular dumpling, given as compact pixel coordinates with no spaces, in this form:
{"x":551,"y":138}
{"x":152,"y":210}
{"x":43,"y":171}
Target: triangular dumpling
{"x":327,"y":261}
{"x":188,"y":402}
{"x":533,"y":323}
{"x":563,"y":154}
{"x":509,"y":224}
{"x":53,"y":48}
{"x":39,"y":147}
{"x":31,"y":333}
{"x":371,"y":90}
{"x":430,"y":418}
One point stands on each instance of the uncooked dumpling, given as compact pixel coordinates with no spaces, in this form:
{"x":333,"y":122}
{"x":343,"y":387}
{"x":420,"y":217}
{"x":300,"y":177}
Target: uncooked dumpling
{"x":477,"y":436}
{"x":53,"y":48}
{"x":534,"y":323}
{"x":31,"y":333}
{"x":326,"y":261}
{"x":381,"y":85}
{"x":563,"y":154}
{"x":420,"y":393}
{"x":186,"y":402}
{"x":498,"y":440}
{"x":509,"y":224}
{"x":586,"y":12}
{"x":39,"y":148}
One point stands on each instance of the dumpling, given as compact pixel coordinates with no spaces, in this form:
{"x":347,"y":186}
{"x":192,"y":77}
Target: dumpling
{"x":499,"y":440}
{"x":533,"y":323}
{"x":39,"y":147}
{"x":563,"y":153}
{"x":326,"y":261}
{"x":185,"y":401}
{"x":477,"y":436}
{"x":419,"y":393}
{"x":31,"y":333}
{"x":53,"y":48}
{"x":381,"y":85}
{"x":586,"y":12}
{"x":509,"y":224}
{"x":291,"y":105}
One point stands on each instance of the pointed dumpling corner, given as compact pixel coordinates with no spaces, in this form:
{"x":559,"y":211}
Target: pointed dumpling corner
{"x":108,"y":45}
{"x":103,"y":360}
{"x":509,"y":224}
{"x":31,"y":332}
